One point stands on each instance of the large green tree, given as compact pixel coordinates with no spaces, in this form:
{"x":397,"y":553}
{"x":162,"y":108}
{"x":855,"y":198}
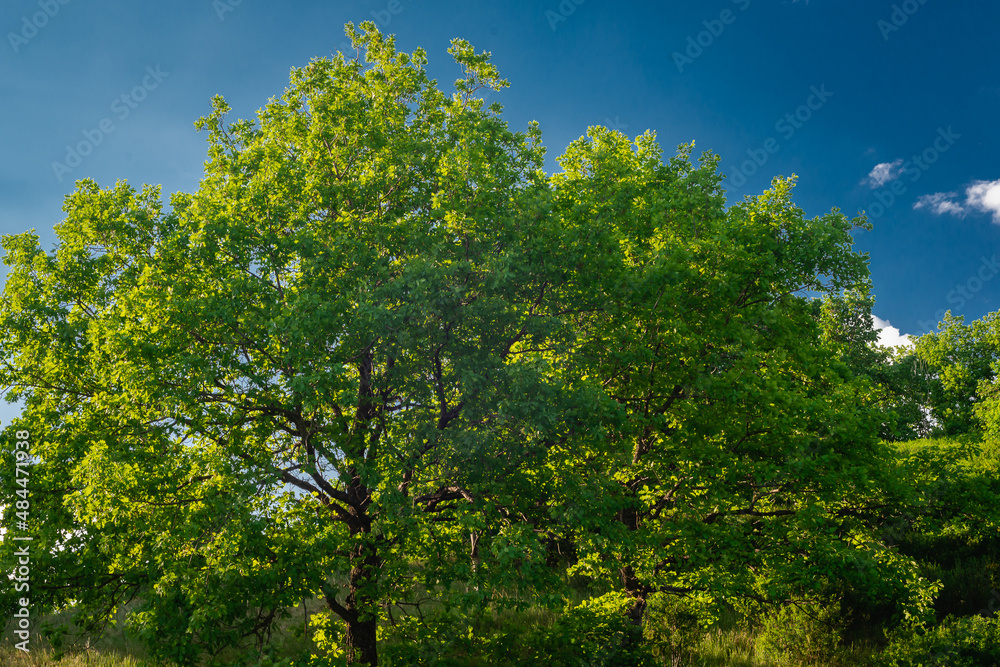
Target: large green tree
{"x":379,"y":351}
{"x":743,"y":459}
{"x":277,"y":387}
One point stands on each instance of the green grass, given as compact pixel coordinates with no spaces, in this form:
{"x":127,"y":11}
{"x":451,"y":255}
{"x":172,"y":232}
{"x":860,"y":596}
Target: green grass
{"x":92,"y":658}
{"x":114,"y":647}
{"x":730,"y":644}
{"x":118,"y":648}
{"x":723,"y":647}
{"x":720,"y":648}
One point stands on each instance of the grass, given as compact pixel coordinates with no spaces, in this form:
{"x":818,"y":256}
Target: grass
{"x":721,"y":647}
{"x":731,"y":643}
{"x":114,"y":647}
{"x":729,"y":647}
{"x":118,"y":648}
{"x":12,"y":656}
{"x":944,"y":443}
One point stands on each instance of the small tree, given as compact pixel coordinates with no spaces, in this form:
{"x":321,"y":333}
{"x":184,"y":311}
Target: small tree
{"x":960,"y":360}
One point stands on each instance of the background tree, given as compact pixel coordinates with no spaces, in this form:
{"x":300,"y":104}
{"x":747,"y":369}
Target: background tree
{"x":898,"y":377}
{"x":959,"y":359}
{"x":743,"y":461}
{"x":849,"y":328}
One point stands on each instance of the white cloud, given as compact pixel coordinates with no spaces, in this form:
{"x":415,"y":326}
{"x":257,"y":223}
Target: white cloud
{"x":889,"y":335}
{"x":884,"y":172}
{"x":982,"y":196}
{"x":941,"y":203}
{"x":985,"y":196}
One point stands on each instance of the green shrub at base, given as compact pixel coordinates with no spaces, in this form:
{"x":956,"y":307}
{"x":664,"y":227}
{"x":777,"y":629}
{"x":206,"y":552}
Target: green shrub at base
{"x":595,"y":633}
{"x":971,"y":641}
{"x":807,"y":634}
{"x":672,"y":628}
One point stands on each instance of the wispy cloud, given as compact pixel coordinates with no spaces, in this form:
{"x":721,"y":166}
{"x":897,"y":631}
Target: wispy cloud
{"x":884,"y":172}
{"x":889,"y":335}
{"x":980,"y":196}
{"x":940,"y":203}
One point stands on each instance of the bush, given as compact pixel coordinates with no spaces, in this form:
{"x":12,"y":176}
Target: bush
{"x":972,"y":641}
{"x":802,"y":634}
{"x":445,"y":638}
{"x":672,"y":628}
{"x":595,"y":633}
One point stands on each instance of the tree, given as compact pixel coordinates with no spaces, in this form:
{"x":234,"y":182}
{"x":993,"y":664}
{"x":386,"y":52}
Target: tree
{"x":282,"y":385}
{"x":960,"y":361}
{"x":379,"y":352}
{"x":849,"y":328}
{"x":744,"y":461}
{"x":896,"y":375}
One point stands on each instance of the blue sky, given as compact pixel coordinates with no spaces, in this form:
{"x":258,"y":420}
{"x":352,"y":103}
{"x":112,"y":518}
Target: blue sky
{"x":881,"y":106}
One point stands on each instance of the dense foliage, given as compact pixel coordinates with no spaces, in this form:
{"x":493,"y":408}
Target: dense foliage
{"x":380,"y":357}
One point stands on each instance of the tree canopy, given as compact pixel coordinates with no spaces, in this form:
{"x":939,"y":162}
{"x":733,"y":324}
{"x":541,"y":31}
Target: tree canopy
{"x":380,"y":354}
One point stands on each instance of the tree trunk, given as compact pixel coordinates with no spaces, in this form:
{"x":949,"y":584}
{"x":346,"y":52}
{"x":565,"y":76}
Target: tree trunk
{"x":635,"y":590}
{"x":362,"y":618}
{"x":359,"y":611}
{"x":362,"y":647}
{"x":634,"y":587}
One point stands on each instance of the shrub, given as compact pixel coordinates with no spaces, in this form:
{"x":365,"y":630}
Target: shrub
{"x":971,"y":641}
{"x":595,"y":633}
{"x":802,"y":634}
{"x":672,"y":628}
